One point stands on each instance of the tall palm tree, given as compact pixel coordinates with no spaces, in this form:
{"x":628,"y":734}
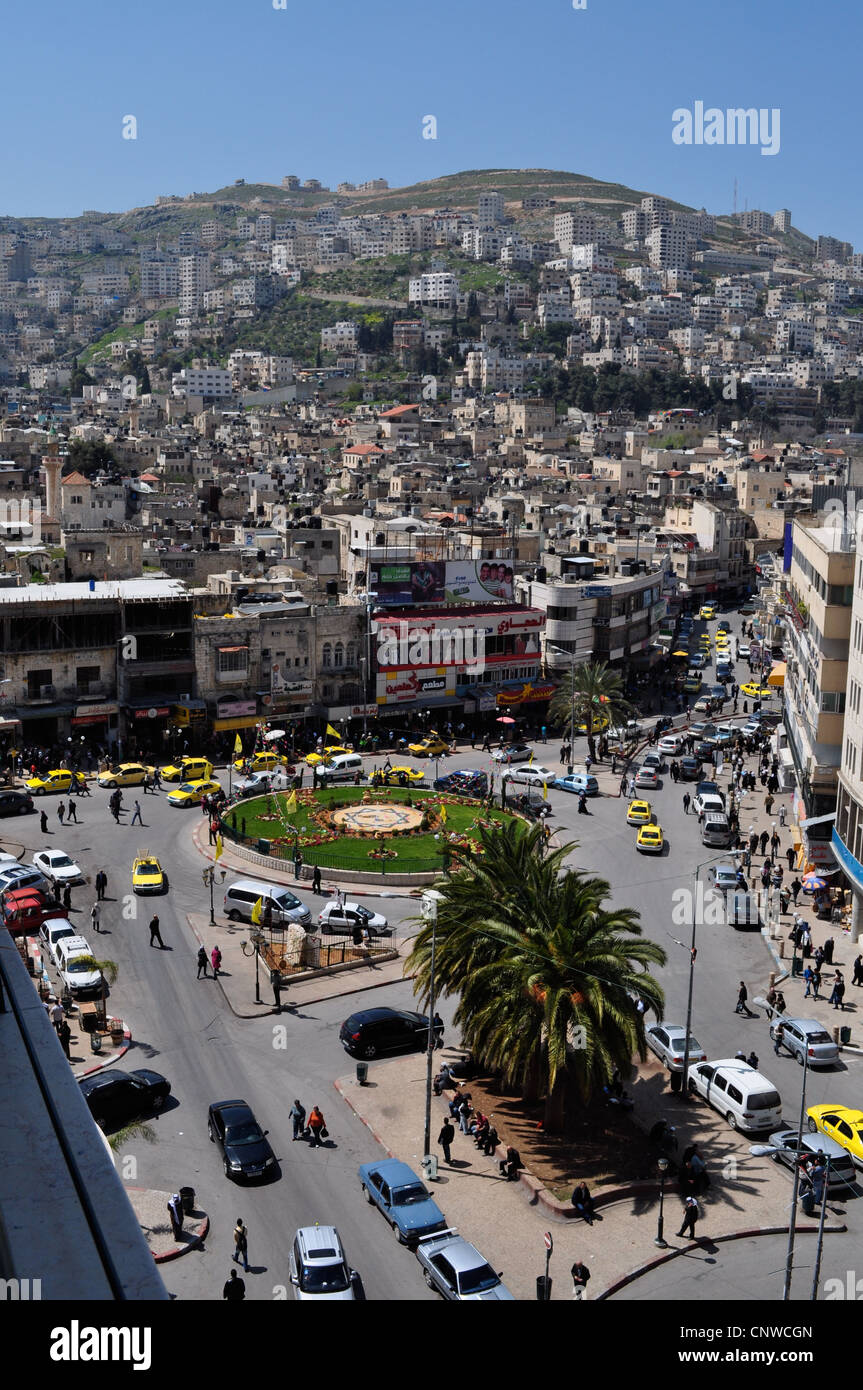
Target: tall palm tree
{"x":546,"y":975}
{"x":587,"y":692}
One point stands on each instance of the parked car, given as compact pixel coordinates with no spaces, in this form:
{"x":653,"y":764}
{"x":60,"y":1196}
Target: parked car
{"x":18,"y":876}
{"x":326,"y":755}
{"x":533,"y":776}
{"x":371,"y":1032}
{"x":58,"y":780}
{"x":841,"y":1123}
{"x":15,"y":802}
{"x":55,"y":929}
{"x":341,"y":918}
{"x":432,"y":747}
{"x":724,"y":877}
{"x":456,"y":1269}
{"x":841,"y":1175}
{"x":245,"y":1150}
{"x":709,"y":788}
{"x":403,"y":776}
{"x":577,"y":782}
{"x":653,"y":759}
{"x":395,"y":1190}
{"x":743,"y":651}
{"x":807,"y":1037}
{"x":702,"y":728}
{"x":707,"y":803}
{"x":188,"y":770}
{"x":744,"y":1096}
{"x":264,"y":761}
{"x":57,"y":867}
{"x":23,"y":913}
{"x":697,"y":661}
{"x":668,"y":1041}
{"x":278,"y":780}
{"x":468,"y":782}
{"x":116,"y":1098}
{"x":74,"y":954}
{"x":512,"y":753}
{"x":319,"y":1268}
{"x":192,"y":793}
{"x":243,"y":893}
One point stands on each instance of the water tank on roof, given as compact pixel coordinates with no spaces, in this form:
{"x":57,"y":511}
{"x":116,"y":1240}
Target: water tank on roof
{"x":541,"y":575}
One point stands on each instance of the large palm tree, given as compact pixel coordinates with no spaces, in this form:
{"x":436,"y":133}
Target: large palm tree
{"x":590,"y":691}
{"x":546,"y":975}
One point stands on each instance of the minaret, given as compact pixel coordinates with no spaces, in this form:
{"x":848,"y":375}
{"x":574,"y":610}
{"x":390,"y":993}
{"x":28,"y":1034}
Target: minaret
{"x":51,"y":464}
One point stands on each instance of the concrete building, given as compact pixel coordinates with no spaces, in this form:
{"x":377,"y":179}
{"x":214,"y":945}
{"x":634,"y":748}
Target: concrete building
{"x":847,"y":834}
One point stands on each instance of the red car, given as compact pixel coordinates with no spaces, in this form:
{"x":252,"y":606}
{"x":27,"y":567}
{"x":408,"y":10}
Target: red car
{"x":23,"y":913}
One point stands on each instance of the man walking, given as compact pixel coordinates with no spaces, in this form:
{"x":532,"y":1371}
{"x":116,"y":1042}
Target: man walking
{"x":580,"y":1275}
{"x":691,"y":1214}
{"x":137,"y":815}
{"x":202,"y":961}
{"x":742,"y":997}
{"x":445,"y":1138}
{"x":686,"y":801}
{"x":71,"y":812}
{"x":790,"y":856}
{"x":241,"y":1245}
{"x":276,"y":982}
{"x":101,"y":884}
{"x":155,"y":934}
{"x":95,"y":917}
{"x":297,"y":1116}
{"x":235,"y":1288}
{"x":60,"y":810}
{"x":837,"y":998}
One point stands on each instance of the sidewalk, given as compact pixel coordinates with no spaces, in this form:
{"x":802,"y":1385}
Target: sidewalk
{"x":506,"y":1221}
{"x":151,"y":1209}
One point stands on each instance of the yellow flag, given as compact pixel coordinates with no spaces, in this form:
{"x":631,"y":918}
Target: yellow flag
{"x":291,"y":803}
{"x":238,"y":746}
{"x":443,"y":815}
{"x":219,"y":847}
{"x":530,"y":760}
{"x":256,"y":912}
{"x":545,"y":791}
{"x":333,"y":733}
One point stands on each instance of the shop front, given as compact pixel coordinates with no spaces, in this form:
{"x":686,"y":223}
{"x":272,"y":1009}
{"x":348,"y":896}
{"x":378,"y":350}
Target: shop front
{"x":95,"y":724}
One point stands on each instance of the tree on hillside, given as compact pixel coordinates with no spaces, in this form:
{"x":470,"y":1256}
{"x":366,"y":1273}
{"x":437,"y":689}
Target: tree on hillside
{"x":89,"y":456}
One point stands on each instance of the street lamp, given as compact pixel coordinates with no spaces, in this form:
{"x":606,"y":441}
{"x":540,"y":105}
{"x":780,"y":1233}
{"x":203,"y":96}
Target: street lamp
{"x":660,"y":1240}
{"x":209,"y":877}
{"x":558,"y":651}
{"x":430,"y":900}
{"x":792,"y":1220}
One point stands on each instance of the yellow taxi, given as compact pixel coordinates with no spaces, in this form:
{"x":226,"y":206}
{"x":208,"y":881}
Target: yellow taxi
{"x":432,"y":747}
{"x":259,"y":762}
{"x":841,"y":1124}
{"x":59,"y":780}
{"x":704,"y":642}
{"x":708,"y":613}
{"x":126,"y":775}
{"x":722,"y":643}
{"x":330,"y":751}
{"x":187,"y":770}
{"x":755,"y":691}
{"x":639,"y":813}
{"x":395,"y":776}
{"x":599,"y":723}
{"x":148,"y":875}
{"x":649,"y":839}
{"x":192,"y":793}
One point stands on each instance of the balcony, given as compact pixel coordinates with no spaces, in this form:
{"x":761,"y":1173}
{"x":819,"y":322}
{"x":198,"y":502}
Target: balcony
{"x":40,"y":695}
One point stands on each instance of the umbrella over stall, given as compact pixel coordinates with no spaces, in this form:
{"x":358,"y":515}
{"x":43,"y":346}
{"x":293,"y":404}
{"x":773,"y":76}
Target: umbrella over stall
{"x":273,"y":734}
{"x":504,"y":719}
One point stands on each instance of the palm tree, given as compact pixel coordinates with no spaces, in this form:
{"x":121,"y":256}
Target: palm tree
{"x":546,"y":975}
{"x":589,"y":691}
{"x":138,"y":1129}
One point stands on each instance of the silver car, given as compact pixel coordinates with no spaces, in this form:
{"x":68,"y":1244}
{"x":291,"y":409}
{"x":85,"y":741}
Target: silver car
{"x":319,"y":1267}
{"x":668,"y":1041}
{"x":458,"y":1271}
{"x":802,"y":1035}
{"x":842,"y":1173}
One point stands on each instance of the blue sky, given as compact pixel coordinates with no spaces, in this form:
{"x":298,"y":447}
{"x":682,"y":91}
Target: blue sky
{"x":338,"y":89}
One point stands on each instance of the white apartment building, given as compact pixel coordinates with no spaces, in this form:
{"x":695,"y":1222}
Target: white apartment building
{"x":437,"y":289}
{"x":574,"y":229}
{"x":195,"y":278}
{"x":590,"y":256}
{"x":782,"y":220}
{"x":202,"y":381}
{"x":491,"y":209}
{"x":340,"y":337}
{"x":794,"y":335}
{"x":668,"y":246}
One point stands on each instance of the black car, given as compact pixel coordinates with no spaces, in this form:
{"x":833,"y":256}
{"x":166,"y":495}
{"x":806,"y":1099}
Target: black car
{"x":244,"y":1146}
{"x":468,"y":782}
{"x":116,"y":1098}
{"x":15,"y":802}
{"x":690,"y":769}
{"x":705,"y":750}
{"x":373,"y":1031}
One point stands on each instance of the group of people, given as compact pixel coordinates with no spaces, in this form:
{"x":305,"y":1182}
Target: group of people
{"x":312,"y":1128}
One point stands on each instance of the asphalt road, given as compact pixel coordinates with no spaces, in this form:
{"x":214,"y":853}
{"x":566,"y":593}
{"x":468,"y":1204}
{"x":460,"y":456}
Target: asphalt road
{"x":183,"y":1028}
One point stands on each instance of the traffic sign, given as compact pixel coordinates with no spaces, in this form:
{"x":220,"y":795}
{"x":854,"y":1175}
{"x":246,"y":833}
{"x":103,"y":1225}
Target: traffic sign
{"x":549,"y":1243}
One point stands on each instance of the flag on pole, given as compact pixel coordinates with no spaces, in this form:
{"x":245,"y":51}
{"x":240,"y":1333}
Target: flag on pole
{"x":291,"y":803}
{"x":545,"y":791}
{"x":238,"y":746}
{"x":333,"y":733}
{"x":530,"y":760}
{"x":443,"y":815}
{"x":256,"y":912}
{"x":219,"y":847}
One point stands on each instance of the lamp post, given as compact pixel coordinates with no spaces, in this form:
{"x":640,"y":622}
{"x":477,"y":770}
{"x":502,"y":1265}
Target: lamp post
{"x":816,"y":1273}
{"x":660,"y":1240}
{"x":430,"y":900}
{"x":792,"y":1220}
{"x":558,"y":651}
{"x":209,"y":877}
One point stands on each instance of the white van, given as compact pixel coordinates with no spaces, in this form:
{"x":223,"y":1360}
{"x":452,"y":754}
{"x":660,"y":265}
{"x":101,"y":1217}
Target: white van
{"x":343,"y":768}
{"x":746,"y":1098}
{"x":715,"y":830}
{"x":240,"y":898}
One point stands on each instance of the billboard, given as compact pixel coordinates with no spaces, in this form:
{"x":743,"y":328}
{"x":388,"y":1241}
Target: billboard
{"x":443,"y":583}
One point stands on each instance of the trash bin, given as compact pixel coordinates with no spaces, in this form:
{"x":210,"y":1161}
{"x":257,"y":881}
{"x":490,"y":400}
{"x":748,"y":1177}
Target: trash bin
{"x":362,"y":1072}
{"x":845,"y":1035}
{"x":797,"y":966}
{"x":263,"y":847}
{"x":543,"y":1288}
{"x":429,"y":1166}
{"x":95,"y":1042}
{"x":187,"y":1197}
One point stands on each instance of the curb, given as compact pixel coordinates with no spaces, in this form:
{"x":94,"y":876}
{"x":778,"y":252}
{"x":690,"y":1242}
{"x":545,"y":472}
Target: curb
{"x":109,"y":1061}
{"x":179,"y":1250}
{"x":748,"y":1233}
{"x":345,"y":1097}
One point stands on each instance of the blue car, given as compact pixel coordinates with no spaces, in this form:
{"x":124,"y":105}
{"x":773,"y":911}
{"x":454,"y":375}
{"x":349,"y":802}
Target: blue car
{"x":578,"y":782}
{"x":403,"y":1198}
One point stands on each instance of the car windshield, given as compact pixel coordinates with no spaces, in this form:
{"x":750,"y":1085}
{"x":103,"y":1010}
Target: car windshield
{"x":186,"y":787}
{"x":406,"y":1196}
{"x":333,"y":1278}
{"x":476,"y":1280}
{"x":288,"y":900}
{"x":247,"y":1133}
{"x":679,"y":1044}
{"x":79,"y":967}
{"x":60,"y":861}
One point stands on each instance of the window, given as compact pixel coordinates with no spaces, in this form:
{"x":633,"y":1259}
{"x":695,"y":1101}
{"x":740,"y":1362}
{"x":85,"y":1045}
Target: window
{"x":326,"y":655}
{"x":37,"y":682}
{"x":339,"y":658}
{"x":232,"y":659}
{"x":85,"y":676}
{"x":350,"y":654}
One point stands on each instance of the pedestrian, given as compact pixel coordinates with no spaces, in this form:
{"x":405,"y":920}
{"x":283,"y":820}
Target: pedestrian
{"x":95,"y":915}
{"x":297,"y":1116}
{"x":64,"y":1033}
{"x":276,"y":982}
{"x":202,"y":961}
{"x":137,"y":815}
{"x":768,"y":804}
{"x":580,"y":1276}
{"x":175,"y":1211}
{"x":686,"y":800}
{"x":858,"y":971}
{"x":829,"y":945}
{"x":763,"y":839}
{"x":101,"y":884}
{"x":71,"y":812}
{"x":790,"y":857}
{"x":588,"y":763}
{"x":316,"y":879}
{"x":67,"y":897}
{"x":241,"y":1245}
{"x":691,"y":1213}
{"x":464,"y":1115}
{"x":60,"y":811}
{"x":809,"y":977}
{"x":796,"y":887}
{"x":155,"y":934}
{"x":43,"y":823}
{"x":582,"y":804}
{"x":816,"y":980}
{"x":298,"y":862}
{"x":445,"y":1138}
{"x":774,"y":844}
{"x":752,"y":1060}
{"x":216,"y":961}
{"x":753,"y":842}
{"x":235,"y":1288}
{"x":742,"y":997}
{"x":837,"y":998}
{"x":623,"y":785}
{"x":782,"y":815}
{"x":583,"y":1202}
{"x":317,"y":1128}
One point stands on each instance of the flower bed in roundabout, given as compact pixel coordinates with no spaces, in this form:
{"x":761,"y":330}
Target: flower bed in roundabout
{"x":388,"y":829}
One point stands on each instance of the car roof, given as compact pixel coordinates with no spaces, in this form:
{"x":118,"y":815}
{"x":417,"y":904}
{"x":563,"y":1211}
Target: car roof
{"x":320,"y":1243}
{"x":236,"y":1109}
{"x":813,"y":1142}
{"x":395,"y":1172}
{"x":461,"y":1254}
{"x":378,"y":1015}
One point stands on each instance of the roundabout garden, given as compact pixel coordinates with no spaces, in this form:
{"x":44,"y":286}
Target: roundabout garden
{"x":374,"y":830}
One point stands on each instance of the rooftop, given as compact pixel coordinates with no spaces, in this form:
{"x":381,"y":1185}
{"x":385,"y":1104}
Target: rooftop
{"x":127,"y":589}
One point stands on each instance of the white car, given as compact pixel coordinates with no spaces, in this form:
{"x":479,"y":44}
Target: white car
{"x":57,"y":867}
{"x":512,"y":753}
{"x":647,"y":777}
{"x":267,"y":780}
{"x":54,"y":930}
{"x":668,"y":1041}
{"x":743,"y":651}
{"x":533,"y":776}
{"x":709,"y":804}
{"x":342,"y":918}
{"x":672,"y":743}
{"x":76,"y":974}
{"x":654,"y":760}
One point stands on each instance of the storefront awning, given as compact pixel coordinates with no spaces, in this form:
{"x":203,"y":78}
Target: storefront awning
{"x":240,"y":721}
{"x":777,"y":675}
